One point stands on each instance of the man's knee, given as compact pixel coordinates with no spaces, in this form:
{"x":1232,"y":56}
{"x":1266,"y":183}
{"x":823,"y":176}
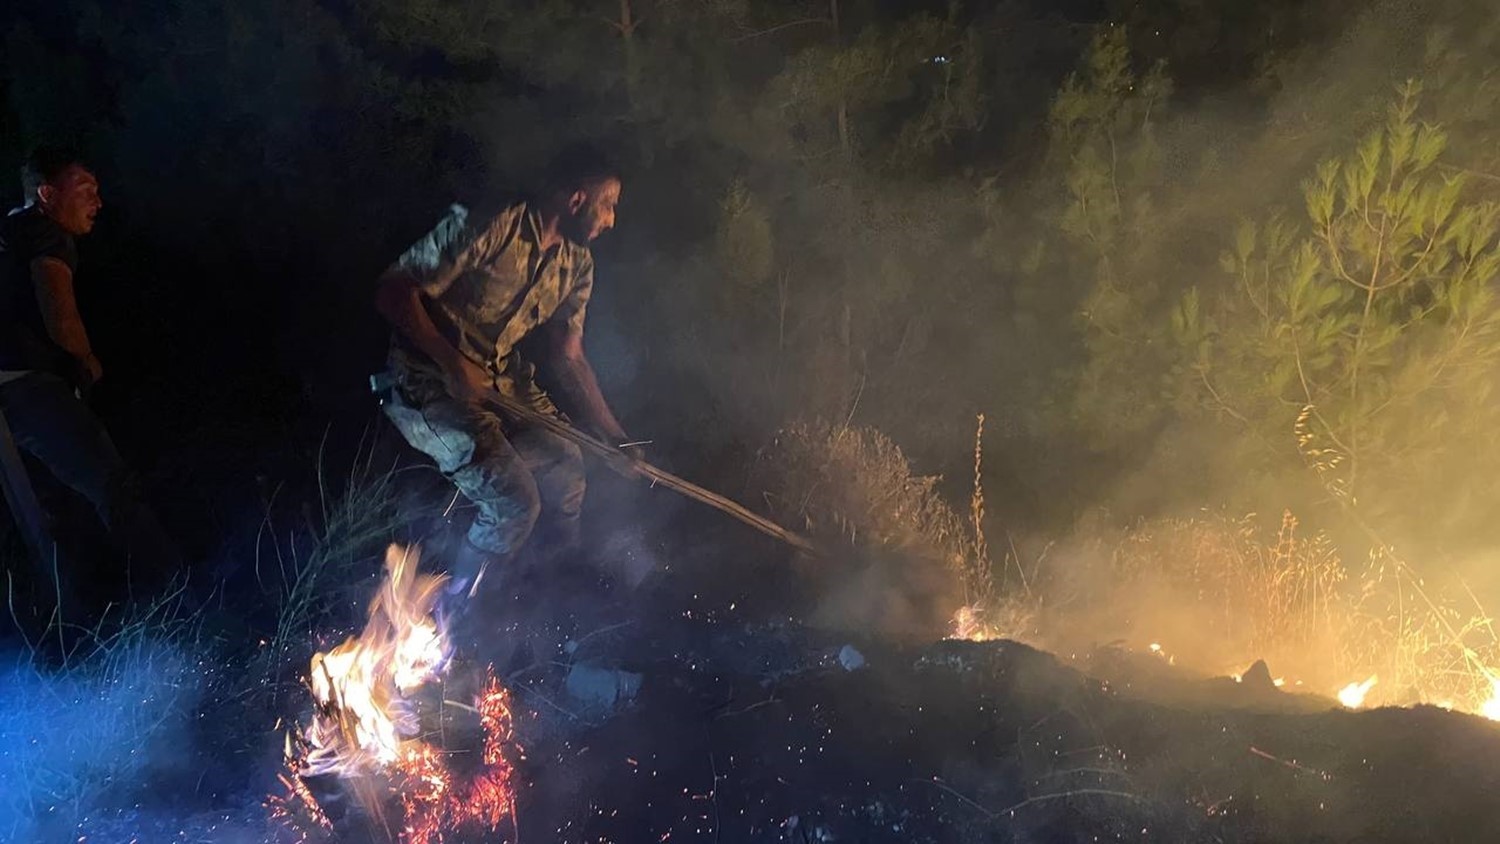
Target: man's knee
{"x":508,"y":502}
{"x":566,"y":484}
{"x":558,"y":467}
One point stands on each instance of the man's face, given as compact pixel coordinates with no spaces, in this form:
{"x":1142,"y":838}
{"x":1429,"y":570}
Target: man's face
{"x":592,"y":210}
{"x":72,"y":199}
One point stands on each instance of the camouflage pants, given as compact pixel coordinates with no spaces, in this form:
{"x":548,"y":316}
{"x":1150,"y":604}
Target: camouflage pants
{"x":514,"y":474}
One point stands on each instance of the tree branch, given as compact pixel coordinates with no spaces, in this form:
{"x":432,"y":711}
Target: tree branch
{"x":777,"y":28}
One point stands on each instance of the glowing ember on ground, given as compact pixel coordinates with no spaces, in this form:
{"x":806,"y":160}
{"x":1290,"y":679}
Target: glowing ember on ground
{"x":367,"y":728}
{"x":1353,"y":695}
{"x":433,"y":805}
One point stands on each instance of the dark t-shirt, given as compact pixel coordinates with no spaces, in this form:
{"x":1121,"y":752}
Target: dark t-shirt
{"x":25,"y":235}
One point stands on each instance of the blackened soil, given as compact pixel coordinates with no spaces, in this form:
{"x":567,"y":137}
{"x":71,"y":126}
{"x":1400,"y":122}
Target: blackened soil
{"x":751,"y":730}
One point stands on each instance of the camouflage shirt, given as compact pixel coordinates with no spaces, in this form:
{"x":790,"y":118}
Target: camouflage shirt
{"x":488,"y":283}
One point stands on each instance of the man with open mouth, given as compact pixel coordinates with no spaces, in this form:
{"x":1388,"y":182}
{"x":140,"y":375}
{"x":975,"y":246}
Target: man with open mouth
{"x":47,"y":365}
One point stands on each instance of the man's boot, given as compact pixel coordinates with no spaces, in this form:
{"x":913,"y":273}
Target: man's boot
{"x":456,"y":608}
{"x":485,"y":614}
{"x":466,"y":572}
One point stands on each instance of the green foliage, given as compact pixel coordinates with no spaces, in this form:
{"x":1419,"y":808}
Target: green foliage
{"x":1102,"y":141}
{"x":1365,"y":337}
{"x":746,"y":245}
{"x":894,"y":216}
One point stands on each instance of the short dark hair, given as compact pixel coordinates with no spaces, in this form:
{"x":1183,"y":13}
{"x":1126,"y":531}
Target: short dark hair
{"x":579,"y":165}
{"x":45,"y":165}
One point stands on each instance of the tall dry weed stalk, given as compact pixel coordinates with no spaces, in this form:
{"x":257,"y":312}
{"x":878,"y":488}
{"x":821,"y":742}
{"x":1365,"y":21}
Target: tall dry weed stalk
{"x":980,"y":575}
{"x":333,"y":558}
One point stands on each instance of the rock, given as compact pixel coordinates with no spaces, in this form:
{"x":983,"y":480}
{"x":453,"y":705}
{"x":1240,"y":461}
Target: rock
{"x":601,"y":687}
{"x":851,"y":658}
{"x":1257,"y":678}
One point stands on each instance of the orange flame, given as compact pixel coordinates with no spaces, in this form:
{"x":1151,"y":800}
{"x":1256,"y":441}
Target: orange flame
{"x":1353,"y":695}
{"x":1491,"y":708}
{"x":361,"y":682}
{"x":366,"y":727}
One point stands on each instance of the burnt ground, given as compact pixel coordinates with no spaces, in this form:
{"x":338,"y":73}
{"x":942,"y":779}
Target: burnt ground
{"x":696,"y":707}
{"x":764,"y":730}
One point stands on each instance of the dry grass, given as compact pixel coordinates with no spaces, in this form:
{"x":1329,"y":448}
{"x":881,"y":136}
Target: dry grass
{"x":1214,"y":592}
{"x":913,"y":558}
{"x":1426,"y":643}
{"x":1221,"y":590}
{"x":94,"y":725}
{"x":856,"y":484}
{"x":335,"y":557}
{"x":1217,"y":593}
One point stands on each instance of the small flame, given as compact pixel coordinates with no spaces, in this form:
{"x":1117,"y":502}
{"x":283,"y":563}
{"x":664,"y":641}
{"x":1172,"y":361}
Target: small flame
{"x":1156,"y":650}
{"x":1491,"y":708}
{"x":968,"y":626}
{"x":1352,"y":696}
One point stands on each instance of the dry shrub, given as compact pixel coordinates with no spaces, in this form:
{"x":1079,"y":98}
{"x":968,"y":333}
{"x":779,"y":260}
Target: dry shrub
{"x":911,"y":560}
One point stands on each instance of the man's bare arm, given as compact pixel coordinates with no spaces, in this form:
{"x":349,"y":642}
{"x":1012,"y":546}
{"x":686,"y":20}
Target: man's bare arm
{"x":399,"y":300}
{"x":53,"y":282}
{"x":579,"y":387}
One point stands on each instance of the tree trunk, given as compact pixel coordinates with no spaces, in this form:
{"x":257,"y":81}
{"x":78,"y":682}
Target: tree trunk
{"x":846,"y":146}
{"x":632,"y":64}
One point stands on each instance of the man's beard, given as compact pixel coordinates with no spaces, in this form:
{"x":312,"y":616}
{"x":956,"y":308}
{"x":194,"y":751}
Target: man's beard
{"x":578,"y":227}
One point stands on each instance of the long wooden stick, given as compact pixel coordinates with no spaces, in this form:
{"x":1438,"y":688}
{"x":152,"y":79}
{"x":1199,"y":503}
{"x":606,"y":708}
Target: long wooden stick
{"x":610,"y":453}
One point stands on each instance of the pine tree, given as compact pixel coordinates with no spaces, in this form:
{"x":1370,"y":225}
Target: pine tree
{"x":1364,"y":339}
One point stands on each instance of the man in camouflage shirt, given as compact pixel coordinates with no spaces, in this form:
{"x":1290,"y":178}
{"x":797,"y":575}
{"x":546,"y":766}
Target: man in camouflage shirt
{"x":461,"y":301}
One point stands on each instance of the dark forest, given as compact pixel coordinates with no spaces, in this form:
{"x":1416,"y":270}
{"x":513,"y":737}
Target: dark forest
{"x":1158,"y":336}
